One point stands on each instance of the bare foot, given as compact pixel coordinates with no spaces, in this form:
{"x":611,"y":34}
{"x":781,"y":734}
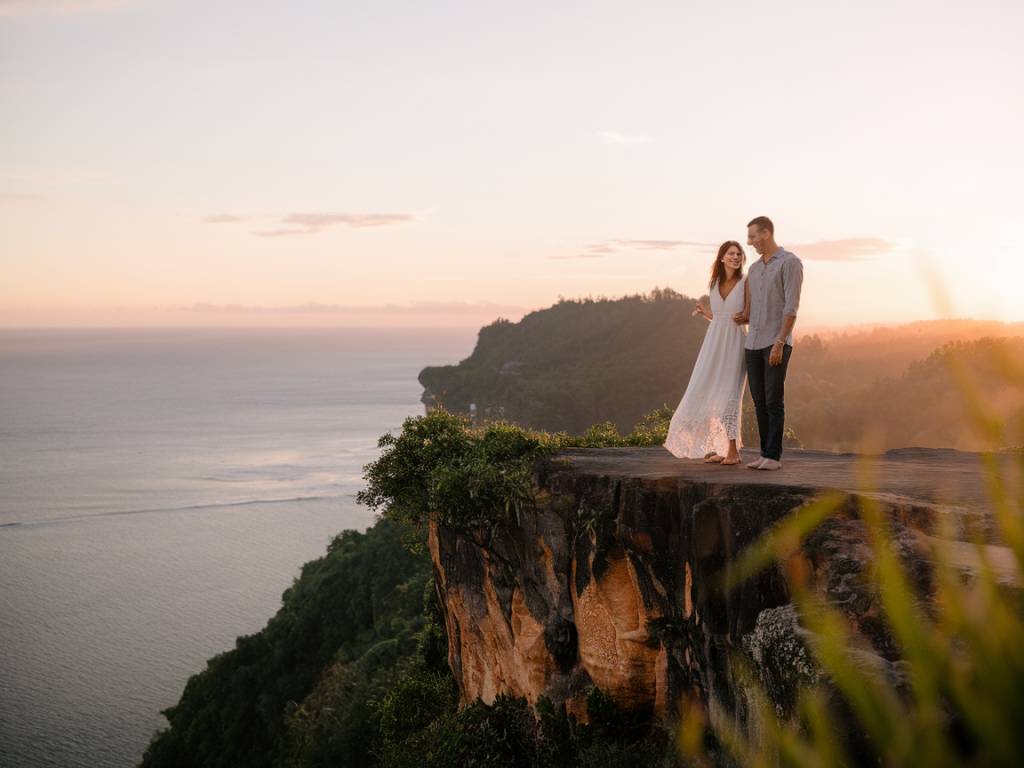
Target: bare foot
{"x":730,"y":460}
{"x":714,"y":458}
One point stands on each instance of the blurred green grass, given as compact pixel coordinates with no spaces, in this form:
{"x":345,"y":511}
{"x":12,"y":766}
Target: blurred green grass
{"x":962,"y":646}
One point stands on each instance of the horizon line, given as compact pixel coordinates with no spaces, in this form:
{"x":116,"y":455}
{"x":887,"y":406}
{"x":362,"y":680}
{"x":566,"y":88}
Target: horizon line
{"x":452,"y":326}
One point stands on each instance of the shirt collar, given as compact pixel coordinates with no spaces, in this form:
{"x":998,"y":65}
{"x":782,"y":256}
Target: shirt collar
{"x":778,"y":252}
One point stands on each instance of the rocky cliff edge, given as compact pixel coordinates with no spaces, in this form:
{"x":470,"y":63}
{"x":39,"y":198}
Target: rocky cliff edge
{"x":615,"y":579}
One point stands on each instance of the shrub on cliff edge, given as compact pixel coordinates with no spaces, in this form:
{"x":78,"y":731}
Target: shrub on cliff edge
{"x":475,"y":478}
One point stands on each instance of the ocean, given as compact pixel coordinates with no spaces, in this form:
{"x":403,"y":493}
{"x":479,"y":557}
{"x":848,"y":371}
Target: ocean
{"x":159,"y":490}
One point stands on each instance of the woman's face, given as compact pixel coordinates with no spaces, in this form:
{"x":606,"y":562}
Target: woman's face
{"x":732,"y":258}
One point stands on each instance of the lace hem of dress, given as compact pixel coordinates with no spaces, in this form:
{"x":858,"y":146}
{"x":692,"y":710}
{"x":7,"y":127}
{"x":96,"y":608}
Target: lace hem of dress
{"x":697,"y":437}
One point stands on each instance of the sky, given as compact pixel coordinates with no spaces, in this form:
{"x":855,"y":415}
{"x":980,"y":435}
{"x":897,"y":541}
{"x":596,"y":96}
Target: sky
{"x":413,"y":163}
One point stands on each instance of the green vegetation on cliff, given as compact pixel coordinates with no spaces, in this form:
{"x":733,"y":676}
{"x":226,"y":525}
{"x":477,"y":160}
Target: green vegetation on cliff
{"x":345,"y":623}
{"x":475,"y":479}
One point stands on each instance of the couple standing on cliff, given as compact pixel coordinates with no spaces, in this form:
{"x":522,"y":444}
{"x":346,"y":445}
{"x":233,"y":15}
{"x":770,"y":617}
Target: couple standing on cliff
{"x":706,"y":424}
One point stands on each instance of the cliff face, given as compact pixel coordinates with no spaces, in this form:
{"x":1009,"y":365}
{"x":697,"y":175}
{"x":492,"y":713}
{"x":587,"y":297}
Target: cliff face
{"x":621,"y":537}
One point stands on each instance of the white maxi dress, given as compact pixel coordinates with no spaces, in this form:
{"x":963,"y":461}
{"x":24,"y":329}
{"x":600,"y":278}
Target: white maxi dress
{"x":708,"y":416}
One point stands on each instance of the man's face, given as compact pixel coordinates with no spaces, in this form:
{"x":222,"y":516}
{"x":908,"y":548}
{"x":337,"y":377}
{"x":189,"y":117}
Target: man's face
{"x":758,"y":238}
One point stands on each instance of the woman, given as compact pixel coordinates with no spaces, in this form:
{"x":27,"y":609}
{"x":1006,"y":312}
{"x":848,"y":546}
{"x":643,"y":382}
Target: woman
{"x":707,"y":421}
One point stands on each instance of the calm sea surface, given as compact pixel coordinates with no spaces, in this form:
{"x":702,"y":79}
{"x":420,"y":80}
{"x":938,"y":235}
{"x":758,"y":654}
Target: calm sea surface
{"x":159,"y":490}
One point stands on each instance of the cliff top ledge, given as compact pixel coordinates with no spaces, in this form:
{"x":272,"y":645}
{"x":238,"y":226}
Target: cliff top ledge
{"x":938,"y":476}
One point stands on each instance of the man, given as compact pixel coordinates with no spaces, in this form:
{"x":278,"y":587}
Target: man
{"x":774,"y":282}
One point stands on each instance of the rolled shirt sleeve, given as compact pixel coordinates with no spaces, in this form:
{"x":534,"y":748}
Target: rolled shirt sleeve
{"x":792,"y":282}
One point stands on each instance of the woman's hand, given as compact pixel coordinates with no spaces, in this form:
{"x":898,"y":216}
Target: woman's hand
{"x":700,"y":309}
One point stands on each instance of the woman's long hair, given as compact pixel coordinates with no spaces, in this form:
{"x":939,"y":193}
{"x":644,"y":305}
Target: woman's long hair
{"x":718,"y":268}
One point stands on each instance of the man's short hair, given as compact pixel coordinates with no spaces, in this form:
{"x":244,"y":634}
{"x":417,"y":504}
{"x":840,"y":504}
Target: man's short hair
{"x":763,"y":222}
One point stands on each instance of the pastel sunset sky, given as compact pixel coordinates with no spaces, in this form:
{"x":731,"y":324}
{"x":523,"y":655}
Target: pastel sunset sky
{"x":393,"y":163}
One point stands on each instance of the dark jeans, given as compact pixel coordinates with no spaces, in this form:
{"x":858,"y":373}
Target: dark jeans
{"x":767,"y":387}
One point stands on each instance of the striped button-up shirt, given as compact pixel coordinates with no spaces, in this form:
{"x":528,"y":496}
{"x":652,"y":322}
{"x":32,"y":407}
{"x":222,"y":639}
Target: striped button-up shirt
{"x":774,"y":293}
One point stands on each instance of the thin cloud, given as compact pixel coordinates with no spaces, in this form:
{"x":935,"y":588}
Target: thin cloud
{"x":12,"y":8}
{"x":321,"y":220}
{"x":659,"y":245}
{"x":845,"y":249}
{"x":283,"y":232}
{"x":612,"y":137}
{"x":567,"y":256}
{"x":600,"y":250}
{"x":222,"y":218}
{"x":312,"y":223}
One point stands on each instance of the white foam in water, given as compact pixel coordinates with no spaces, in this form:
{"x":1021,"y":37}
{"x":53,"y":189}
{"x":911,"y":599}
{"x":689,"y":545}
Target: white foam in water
{"x":159,"y":490}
